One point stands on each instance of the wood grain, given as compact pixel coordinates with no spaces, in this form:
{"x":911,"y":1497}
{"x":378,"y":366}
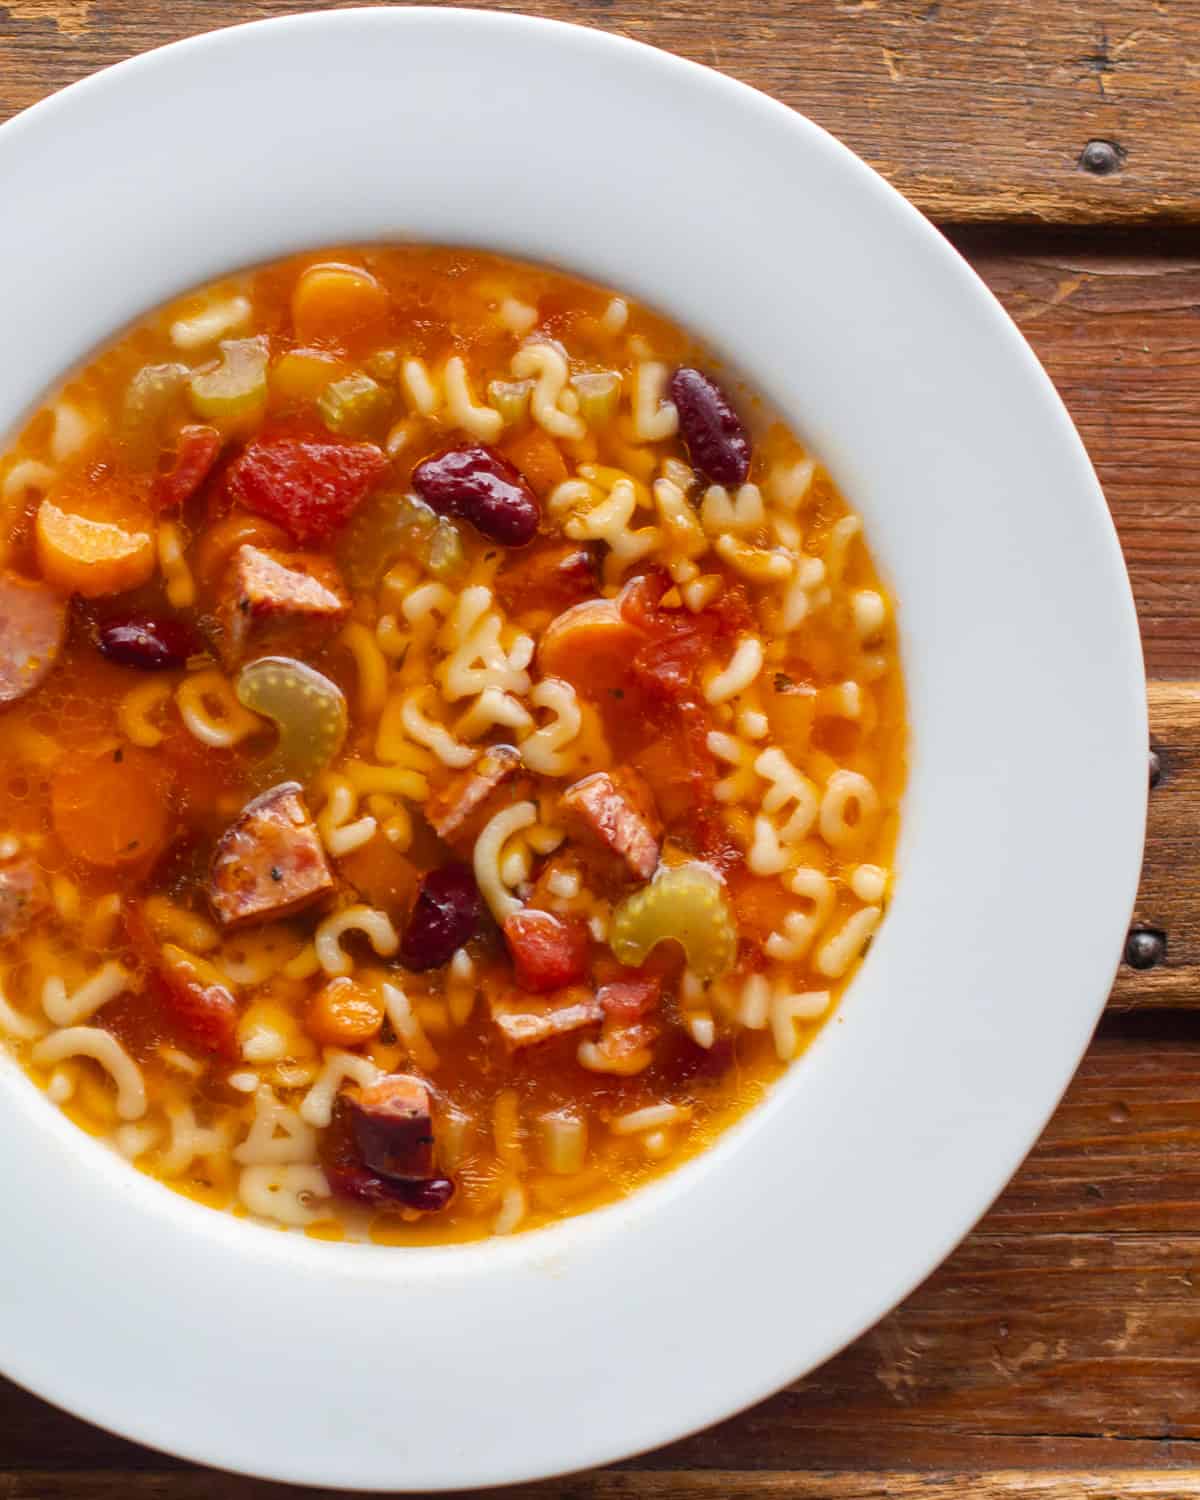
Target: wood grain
{"x":978,"y":111}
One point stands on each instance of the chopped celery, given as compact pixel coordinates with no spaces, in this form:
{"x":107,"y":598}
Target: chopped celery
{"x":511,"y":399}
{"x":308,"y":710}
{"x":599,"y":392}
{"x":387,"y":526}
{"x":688,"y":904}
{"x":354,"y":405}
{"x":149,"y":397}
{"x":444,"y":555}
{"x":236,"y":391}
{"x":384,"y":364}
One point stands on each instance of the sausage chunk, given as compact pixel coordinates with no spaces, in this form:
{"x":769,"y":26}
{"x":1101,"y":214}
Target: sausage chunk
{"x":270,"y":863}
{"x":33,"y":627}
{"x":630,"y":999}
{"x":392,"y":1121}
{"x":524,"y":1022}
{"x":23,"y":896}
{"x":466,"y":794}
{"x":277,"y":595}
{"x":618,"y":812}
{"x":548,"y":952}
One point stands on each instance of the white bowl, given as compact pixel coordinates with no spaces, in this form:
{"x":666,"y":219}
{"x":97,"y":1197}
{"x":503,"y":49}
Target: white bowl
{"x":428,"y":1369}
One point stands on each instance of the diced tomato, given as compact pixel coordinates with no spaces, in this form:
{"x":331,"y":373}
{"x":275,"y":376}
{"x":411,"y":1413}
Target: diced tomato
{"x":308,"y":486}
{"x":548,"y":952}
{"x":664,"y":666}
{"x":205,"y":1015}
{"x":629,"y":999}
{"x":195,"y":455}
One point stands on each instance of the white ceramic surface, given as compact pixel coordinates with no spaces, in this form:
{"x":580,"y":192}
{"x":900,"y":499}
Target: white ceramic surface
{"x":426,"y":1369}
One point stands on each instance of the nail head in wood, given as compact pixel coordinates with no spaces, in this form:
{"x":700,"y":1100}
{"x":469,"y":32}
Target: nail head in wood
{"x":1145,"y":947}
{"x":1101,"y":158}
{"x":1155,"y":769}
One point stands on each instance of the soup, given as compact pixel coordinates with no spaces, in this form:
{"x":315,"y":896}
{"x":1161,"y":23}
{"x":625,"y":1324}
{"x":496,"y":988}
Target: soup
{"x":453,"y":737}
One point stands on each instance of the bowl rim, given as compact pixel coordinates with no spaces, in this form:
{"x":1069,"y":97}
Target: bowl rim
{"x":550,"y":1275}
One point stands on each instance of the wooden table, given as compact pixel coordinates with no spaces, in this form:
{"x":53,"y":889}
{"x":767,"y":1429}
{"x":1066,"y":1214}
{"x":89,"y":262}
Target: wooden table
{"x":1055,"y":1354}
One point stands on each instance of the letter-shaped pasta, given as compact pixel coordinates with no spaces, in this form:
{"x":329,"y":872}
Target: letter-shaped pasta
{"x":317,"y":1106}
{"x":683,"y":533}
{"x":841,"y":700}
{"x":868,"y":613}
{"x":800,"y":927}
{"x":462,"y":987}
{"x":517,"y":316}
{"x":371,"y":665}
{"x":788,"y":484}
{"x":489,"y":851}
{"x":744,"y":666}
{"x":408,"y":1028}
{"x":136,"y":708}
{"x":838,"y":952}
{"x":758,"y":564}
{"x":484,"y":423}
{"x":374,"y":924}
{"x":513,"y":1207}
{"x":102,"y":1047}
{"x":189,"y":1141}
{"x":786,"y":1009}
{"x":848,"y":809}
{"x":478,"y":658}
{"x":73,"y":430}
{"x":391,"y":781}
{"x":609,"y":521}
{"x":63,"y":1009}
{"x":615,"y":316}
{"x":340,"y":831}
{"x":283,"y":1192}
{"x":419,"y":390}
{"x":788,"y":788}
{"x":655,"y":419}
{"x":493,"y":709}
{"x":868,"y":882}
{"x":211,"y":712}
{"x":429,"y":732}
{"x":742,"y":782}
{"x":548,"y":367}
{"x":181,"y":586}
{"x":767,"y":854}
{"x":278,"y":1134}
{"x":425,"y":607}
{"x":545,"y":751}
{"x":27,"y":480}
{"x":179,"y":925}
{"x":742,"y":514}
{"x":837,"y":549}
{"x":210,"y":324}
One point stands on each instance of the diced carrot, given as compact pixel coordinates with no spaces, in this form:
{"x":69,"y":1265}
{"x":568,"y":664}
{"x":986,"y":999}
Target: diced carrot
{"x":95,"y":539}
{"x":536,"y":454}
{"x":591,"y":645}
{"x":343,"y":1014}
{"x":761,"y":905}
{"x":111,"y":808}
{"x":380,"y":873}
{"x":302,"y":374}
{"x":338,"y":304}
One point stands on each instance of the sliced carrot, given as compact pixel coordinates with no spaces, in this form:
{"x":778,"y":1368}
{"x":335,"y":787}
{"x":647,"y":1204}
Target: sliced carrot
{"x":537,"y":456}
{"x":337,"y":304}
{"x":94,"y":538}
{"x":111,"y":808}
{"x":343,"y":1014}
{"x":591,"y":645}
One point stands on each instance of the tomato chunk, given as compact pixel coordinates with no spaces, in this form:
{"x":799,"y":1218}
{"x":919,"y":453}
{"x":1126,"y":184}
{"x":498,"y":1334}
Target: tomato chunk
{"x":548,"y":952}
{"x":205,"y":1015}
{"x":310,"y":487}
{"x":196,"y":453}
{"x":630,"y":999}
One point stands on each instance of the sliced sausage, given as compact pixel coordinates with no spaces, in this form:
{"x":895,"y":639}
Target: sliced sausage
{"x":270,"y":863}
{"x":548,"y":952}
{"x":630,"y":999}
{"x":273,"y":594}
{"x":23,"y":896}
{"x":524,"y":1022}
{"x":392,"y":1121}
{"x":450,"y":809}
{"x":618,"y":812}
{"x":33,"y":627}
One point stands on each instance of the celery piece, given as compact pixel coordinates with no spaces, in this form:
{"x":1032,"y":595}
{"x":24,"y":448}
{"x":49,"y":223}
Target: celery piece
{"x":599,"y":392}
{"x":511,"y":399}
{"x":354,"y":405}
{"x":149,"y":398}
{"x":686,"y":904}
{"x":444,"y":555}
{"x":386,"y":526}
{"x":236,"y":391}
{"x":384,"y":364}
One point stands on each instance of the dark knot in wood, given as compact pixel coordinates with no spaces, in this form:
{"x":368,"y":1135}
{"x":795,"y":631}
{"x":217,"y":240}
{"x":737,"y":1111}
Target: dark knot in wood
{"x":1145,"y":947}
{"x":1102,"y":158}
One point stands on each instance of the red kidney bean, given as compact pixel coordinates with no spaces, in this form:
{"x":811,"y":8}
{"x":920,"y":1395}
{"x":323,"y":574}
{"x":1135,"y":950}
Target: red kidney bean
{"x":445,"y":917}
{"x":146,"y":642}
{"x":428,"y":1196}
{"x":716,"y":440}
{"x":480,"y":486}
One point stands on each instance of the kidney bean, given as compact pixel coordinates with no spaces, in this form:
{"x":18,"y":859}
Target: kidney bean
{"x":480,"y":486}
{"x":428,"y":1196}
{"x":716,"y":440}
{"x":445,"y":917}
{"x":146,"y":642}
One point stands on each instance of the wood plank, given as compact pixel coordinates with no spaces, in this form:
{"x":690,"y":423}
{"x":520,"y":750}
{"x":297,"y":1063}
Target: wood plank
{"x":1118,"y":336}
{"x":633,"y":1484}
{"x":1065,"y":1330}
{"x":980,"y":112}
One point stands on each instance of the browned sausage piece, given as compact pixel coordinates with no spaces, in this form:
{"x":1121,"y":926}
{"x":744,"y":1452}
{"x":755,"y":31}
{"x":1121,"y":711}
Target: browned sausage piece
{"x":466,"y":794}
{"x":23,"y":896}
{"x":33,"y":626}
{"x":270,"y":863}
{"x":618,"y":812}
{"x":276,"y":594}
{"x":524,"y":1022}
{"x":392,"y":1120}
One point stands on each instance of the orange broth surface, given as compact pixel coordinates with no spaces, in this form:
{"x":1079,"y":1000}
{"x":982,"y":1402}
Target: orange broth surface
{"x":735,"y":687}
